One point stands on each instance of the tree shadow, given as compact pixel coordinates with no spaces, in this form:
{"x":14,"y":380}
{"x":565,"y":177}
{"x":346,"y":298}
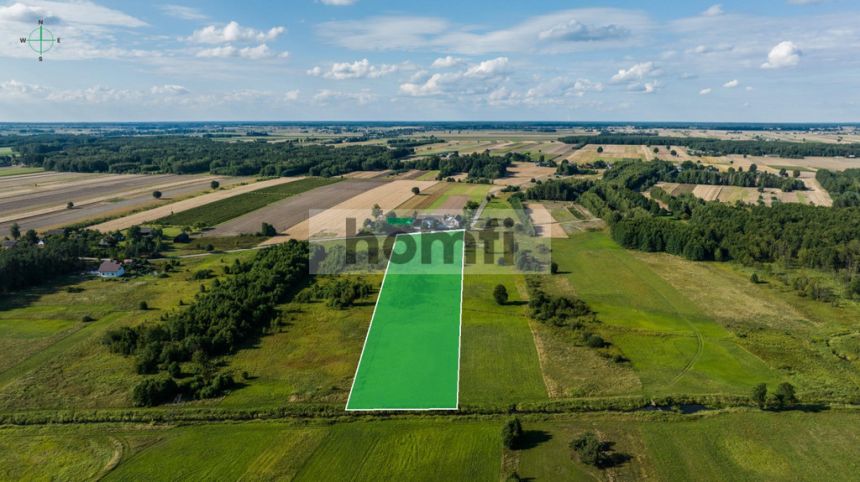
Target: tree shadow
{"x":612,"y":458}
{"x":516,"y":303}
{"x":533,"y":438}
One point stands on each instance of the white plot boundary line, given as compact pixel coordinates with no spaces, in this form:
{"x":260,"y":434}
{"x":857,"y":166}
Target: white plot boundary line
{"x":372,"y":316}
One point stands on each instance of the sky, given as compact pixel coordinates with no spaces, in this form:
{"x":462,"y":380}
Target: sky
{"x":297,"y":60}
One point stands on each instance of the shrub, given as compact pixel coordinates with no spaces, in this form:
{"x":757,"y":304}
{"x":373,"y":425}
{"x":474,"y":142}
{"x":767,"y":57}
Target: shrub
{"x":553,"y":267}
{"x":590,"y":449}
{"x":500,"y":294}
{"x":154,"y":391}
{"x":143,"y":306}
{"x":268,"y":230}
{"x":512,"y":432}
{"x":595,"y":341}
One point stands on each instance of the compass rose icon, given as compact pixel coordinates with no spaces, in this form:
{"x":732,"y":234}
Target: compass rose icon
{"x":40,"y":39}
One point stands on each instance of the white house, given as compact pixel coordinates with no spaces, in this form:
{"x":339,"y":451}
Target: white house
{"x":110,"y":269}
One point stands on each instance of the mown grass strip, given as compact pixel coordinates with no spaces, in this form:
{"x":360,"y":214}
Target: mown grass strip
{"x":226,"y":209}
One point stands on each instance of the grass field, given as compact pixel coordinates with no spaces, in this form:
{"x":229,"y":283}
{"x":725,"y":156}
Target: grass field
{"x":17,"y":171}
{"x":407,"y":450}
{"x":499,"y":362}
{"x":59,"y":361}
{"x":411,"y":357}
{"x":674,"y":347}
{"x":745,"y":445}
{"x":226,"y":209}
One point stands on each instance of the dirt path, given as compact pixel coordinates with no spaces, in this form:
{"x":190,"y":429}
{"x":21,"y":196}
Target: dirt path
{"x":178,"y":207}
{"x":545,"y":225}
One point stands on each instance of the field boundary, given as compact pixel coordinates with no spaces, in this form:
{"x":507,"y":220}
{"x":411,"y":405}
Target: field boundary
{"x":459,"y":334}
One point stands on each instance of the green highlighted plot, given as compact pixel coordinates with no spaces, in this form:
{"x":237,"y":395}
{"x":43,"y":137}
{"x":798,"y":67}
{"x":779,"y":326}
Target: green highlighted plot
{"x":411,"y":357}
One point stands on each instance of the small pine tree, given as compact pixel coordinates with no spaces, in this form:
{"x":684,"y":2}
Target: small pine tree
{"x":754,"y":279}
{"x":759,"y":395}
{"x":143,"y":306}
{"x":156,"y":194}
{"x":415,"y":190}
{"x":553,"y":267}
{"x":500,"y":294}
{"x":214,"y":184}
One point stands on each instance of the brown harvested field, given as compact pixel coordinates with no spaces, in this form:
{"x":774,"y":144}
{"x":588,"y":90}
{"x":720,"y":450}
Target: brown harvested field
{"x":97,"y":197}
{"x":425,"y":198}
{"x":411,"y":174}
{"x":454,"y":204}
{"x":294,"y":209}
{"x":817,"y":194}
{"x":730,"y":194}
{"x":366,"y":174}
{"x":29,"y":198}
{"x":180,"y":206}
{"x":116,"y":206}
{"x":708,"y":193}
{"x":331,"y":223}
{"x":545,"y":225}
{"x":522,"y":172}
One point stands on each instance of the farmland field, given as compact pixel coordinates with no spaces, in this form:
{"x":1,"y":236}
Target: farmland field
{"x":293,"y":210}
{"x":673,"y":346}
{"x":17,"y":171}
{"x":227,"y":209}
{"x":411,"y":358}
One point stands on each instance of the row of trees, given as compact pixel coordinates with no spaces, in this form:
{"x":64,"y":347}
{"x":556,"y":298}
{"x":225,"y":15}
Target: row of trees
{"x":184,"y":155}
{"x":217,"y":323}
{"x":844,"y":187}
{"x":793,"y":234}
{"x":720,"y":147}
{"x":639,"y":175}
{"x":28,"y":264}
{"x":481,"y":165}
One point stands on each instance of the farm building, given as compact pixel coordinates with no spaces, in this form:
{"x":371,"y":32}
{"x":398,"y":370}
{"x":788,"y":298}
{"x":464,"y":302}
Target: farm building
{"x":110,"y":269}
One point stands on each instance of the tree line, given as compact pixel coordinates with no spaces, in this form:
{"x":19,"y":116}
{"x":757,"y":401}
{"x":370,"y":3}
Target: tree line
{"x":216,"y":323}
{"x":28,"y":264}
{"x":844,"y":186}
{"x":794,"y":234}
{"x":481,"y":165}
{"x":639,"y":175}
{"x":187,"y":155}
{"x":720,"y":147}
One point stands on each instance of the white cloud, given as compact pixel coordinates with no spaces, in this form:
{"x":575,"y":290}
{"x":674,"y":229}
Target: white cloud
{"x":338,"y":3}
{"x":431,"y":86}
{"x":562,"y":31}
{"x":446,"y":62}
{"x":82,"y":12}
{"x":225,"y":51}
{"x":233,"y":32}
{"x":360,"y":69}
{"x":637,"y":72}
{"x":488,"y":68}
{"x":732,"y":84}
{"x":292,"y":95}
{"x":462,"y":82}
{"x":362,"y":97}
{"x":645,"y":87}
{"x":713,"y":11}
{"x":784,"y":54}
{"x":706,"y":91}
{"x":169,"y":89}
{"x":575,"y":31}
{"x":183,"y":12}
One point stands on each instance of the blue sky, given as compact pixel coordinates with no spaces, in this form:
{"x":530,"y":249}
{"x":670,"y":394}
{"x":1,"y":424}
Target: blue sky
{"x":769,"y":61}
